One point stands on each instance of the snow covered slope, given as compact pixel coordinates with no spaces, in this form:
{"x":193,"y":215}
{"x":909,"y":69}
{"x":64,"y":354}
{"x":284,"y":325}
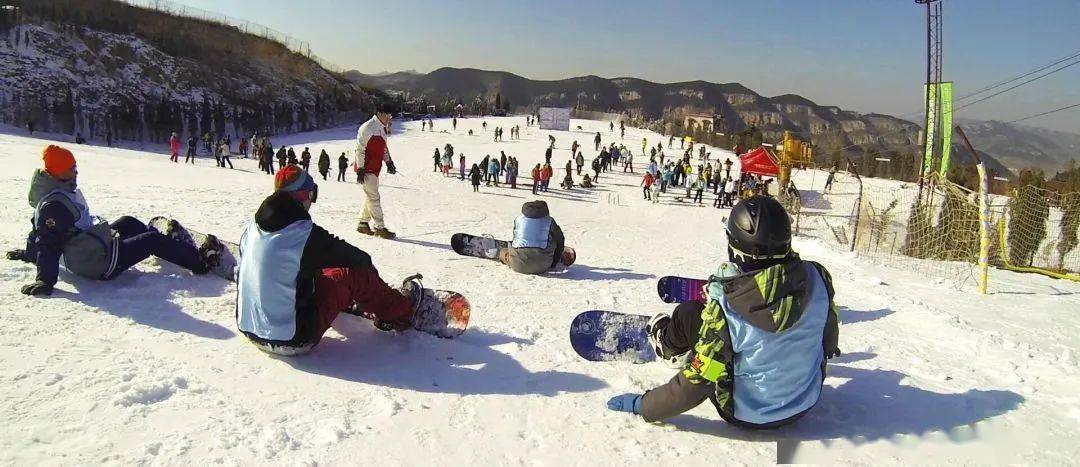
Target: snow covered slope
{"x":148,"y":369}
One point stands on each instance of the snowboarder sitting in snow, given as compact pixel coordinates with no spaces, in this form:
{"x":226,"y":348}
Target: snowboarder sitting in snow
{"x":757,"y":348}
{"x":586,"y":182}
{"x":538,"y":244}
{"x":294,"y":277}
{"x":89,"y":246}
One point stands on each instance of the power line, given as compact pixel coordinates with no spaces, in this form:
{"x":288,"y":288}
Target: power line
{"x":1044,"y":113}
{"x":1002,"y":83}
{"x":969,"y":104}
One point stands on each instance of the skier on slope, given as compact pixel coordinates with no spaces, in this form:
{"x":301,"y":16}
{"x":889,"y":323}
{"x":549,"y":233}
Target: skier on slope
{"x":757,"y":348}
{"x":294,"y":277}
{"x":538,"y":245}
{"x":580,"y":162}
{"x":596,"y":141}
{"x":65,"y":232}
{"x":371,"y":153}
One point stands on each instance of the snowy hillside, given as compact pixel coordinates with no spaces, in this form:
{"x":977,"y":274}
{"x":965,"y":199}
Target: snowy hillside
{"x":148,"y":369}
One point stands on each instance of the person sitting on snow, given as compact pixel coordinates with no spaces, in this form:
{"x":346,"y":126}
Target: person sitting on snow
{"x":586,"y":181}
{"x":757,"y":348}
{"x":294,"y":277}
{"x":63,"y":230}
{"x":538,"y":244}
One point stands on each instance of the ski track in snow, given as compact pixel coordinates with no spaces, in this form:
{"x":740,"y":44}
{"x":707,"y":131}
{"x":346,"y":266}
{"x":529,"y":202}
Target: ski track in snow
{"x":148,"y":369}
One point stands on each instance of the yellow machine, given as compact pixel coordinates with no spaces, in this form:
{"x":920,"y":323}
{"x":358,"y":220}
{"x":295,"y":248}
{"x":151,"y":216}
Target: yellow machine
{"x":794,"y":154}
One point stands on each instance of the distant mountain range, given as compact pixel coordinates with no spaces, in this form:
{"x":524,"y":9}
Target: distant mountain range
{"x":830,"y":128}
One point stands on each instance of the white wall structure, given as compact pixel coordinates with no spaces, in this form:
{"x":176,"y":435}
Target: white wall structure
{"x":555,"y":118}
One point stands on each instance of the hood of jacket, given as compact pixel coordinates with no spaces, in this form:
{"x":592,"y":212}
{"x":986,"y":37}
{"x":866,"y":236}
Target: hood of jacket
{"x":770,"y":299}
{"x":42,"y":184}
{"x":278,"y":211}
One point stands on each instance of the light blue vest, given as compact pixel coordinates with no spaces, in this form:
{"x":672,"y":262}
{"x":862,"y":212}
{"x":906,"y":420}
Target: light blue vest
{"x":266,"y":280}
{"x":778,"y":375}
{"x":75,"y":202}
{"x":531,"y":233}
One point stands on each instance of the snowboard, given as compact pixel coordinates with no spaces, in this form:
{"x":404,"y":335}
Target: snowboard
{"x":476,"y":246}
{"x":442,"y":313}
{"x":602,"y":336}
{"x":673,"y":289}
{"x":486,"y":247}
{"x":225,"y":266}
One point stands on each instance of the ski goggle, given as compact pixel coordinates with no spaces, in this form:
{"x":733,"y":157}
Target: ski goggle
{"x":311,"y":195}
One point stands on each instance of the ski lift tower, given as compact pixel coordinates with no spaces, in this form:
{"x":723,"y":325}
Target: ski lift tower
{"x":933,"y":75}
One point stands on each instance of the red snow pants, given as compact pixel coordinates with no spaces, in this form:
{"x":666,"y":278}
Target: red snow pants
{"x":336,"y":289}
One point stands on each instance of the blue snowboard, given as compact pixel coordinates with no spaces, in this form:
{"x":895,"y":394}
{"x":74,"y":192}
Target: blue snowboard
{"x":603,"y":336}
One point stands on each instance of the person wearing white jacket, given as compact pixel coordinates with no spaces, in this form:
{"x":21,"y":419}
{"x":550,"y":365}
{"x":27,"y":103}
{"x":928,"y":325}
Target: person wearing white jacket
{"x":371,"y":152}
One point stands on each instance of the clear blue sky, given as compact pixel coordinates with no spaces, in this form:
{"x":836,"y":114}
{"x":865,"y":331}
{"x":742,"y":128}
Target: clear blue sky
{"x":864,"y":55}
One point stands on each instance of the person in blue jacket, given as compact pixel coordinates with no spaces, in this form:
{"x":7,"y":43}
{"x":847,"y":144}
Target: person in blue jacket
{"x":757,"y":347}
{"x":65,"y":232}
{"x":493,"y":171}
{"x":538,"y":244}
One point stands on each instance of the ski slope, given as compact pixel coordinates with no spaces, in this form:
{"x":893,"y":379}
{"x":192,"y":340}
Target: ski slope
{"x":148,"y":369}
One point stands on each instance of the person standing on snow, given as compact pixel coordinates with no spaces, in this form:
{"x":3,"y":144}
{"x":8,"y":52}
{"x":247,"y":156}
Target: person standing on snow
{"x":580,"y":162}
{"x":474,"y":177}
{"x":174,"y":147}
{"x":191,"y":148}
{"x":461,"y":165}
{"x":436,"y":161}
{"x":226,"y":154}
{"x":324,"y":164}
{"x":305,"y":159}
{"x":647,"y":183}
{"x":293,"y":277}
{"x":371,"y":153}
{"x":342,"y":163}
{"x":758,"y":346}
{"x":447,"y":161}
{"x":596,"y":141}
{"x":493,"y":172}
{"x":65,"y":233}
{"x":538,"y":245}
{"x":545,"y":177}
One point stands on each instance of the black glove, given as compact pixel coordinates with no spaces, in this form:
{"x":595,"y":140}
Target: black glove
{"x":390,"y":167}
{"x":37,"y":288}
{"x":17,"y":255}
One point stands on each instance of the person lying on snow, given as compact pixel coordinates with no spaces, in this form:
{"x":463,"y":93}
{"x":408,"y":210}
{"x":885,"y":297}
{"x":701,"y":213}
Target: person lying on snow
{"x":538,"y":244}
{"x":294,"y":277}
{"x":63,"y":230}
{"x":757,"y":348}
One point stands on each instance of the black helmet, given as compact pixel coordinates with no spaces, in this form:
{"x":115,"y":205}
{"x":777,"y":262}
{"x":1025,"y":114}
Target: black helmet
{"x":759,"y":227}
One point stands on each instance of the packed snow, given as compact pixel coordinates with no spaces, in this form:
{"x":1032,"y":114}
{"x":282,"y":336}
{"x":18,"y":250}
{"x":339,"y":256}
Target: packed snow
{"x":149,"y":369}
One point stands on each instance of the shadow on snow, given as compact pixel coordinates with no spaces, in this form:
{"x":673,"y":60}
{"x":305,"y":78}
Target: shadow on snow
{"x":144,"y":297}
{"x":870,"y":405}
{"x":420,"y":362}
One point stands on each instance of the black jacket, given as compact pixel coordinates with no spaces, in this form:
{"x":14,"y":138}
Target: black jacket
{"x":322,"y":250}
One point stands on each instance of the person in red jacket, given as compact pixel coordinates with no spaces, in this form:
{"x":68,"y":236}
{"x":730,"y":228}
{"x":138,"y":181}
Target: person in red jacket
{"x":371,"y":152}
{"x":647,"y":182}
{"x":174,"y":145}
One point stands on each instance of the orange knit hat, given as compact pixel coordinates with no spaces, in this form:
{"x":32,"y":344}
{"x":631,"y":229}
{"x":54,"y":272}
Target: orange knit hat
{"x":57,"y":160}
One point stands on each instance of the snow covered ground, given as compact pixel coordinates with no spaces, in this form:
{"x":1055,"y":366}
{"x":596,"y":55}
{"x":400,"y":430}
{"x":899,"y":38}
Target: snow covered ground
{"x":148,"y":369}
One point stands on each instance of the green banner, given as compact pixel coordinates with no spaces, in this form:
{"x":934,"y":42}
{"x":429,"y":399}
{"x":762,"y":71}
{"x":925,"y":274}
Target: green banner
{"x":945,"y":91}
{"x":931,"y":120}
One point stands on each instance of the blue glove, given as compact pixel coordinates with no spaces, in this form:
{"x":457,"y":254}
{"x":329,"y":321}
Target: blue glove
{"x":630,"y":403}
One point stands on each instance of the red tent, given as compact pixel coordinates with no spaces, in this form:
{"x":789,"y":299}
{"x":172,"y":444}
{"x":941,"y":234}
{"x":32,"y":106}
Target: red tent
{"x":759,"y":162}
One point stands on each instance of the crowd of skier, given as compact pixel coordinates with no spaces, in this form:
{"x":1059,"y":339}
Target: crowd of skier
{"x":756,"y":345}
